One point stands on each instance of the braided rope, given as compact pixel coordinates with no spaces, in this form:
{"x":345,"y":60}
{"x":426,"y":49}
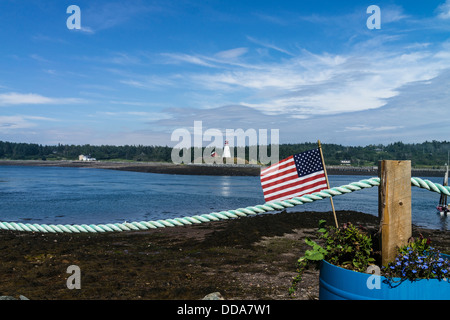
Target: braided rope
{"x":216,"y":216}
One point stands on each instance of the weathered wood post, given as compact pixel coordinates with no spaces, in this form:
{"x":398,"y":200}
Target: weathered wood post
{"x":394,"y":206}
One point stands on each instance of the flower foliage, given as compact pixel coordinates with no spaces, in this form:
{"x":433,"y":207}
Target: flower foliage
{"x":417,"y":260}
{"x":348,"y":247}
{"x":351,"y":248}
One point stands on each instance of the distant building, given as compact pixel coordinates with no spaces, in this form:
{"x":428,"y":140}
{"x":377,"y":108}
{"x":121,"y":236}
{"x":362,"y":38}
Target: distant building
{"x":82,"y":157}
{"x":226,"y":150}
{"x":346,"y":162}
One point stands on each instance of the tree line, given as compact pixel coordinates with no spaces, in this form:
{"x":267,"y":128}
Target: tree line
{"x":425,"y":154}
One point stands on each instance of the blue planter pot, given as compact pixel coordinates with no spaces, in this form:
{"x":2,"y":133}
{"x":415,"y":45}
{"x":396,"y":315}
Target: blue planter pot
{"x":341,"y":284}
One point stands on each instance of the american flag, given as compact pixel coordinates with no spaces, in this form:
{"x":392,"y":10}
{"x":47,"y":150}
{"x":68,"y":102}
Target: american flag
{"x":297,"y":175}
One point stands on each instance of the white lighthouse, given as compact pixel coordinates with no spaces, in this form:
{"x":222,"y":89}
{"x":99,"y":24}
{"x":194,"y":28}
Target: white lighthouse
{"x":226,"y":150}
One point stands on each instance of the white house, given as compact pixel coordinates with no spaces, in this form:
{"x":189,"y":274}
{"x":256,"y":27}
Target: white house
{"x":82,"y":157}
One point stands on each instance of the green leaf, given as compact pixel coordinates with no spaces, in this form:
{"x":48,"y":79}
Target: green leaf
{"x":314,"y":255}
{"x":310,"y":242}
{"x":301,"y":259}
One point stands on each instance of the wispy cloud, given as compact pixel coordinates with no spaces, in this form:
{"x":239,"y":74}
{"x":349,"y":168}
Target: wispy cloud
{"x":226,"y":59}
{"x":410,"y":116}
{"x":46,"y":38}
{"x":268,"y":45}
{"x":370,"y":128}
{"x":444,"y":10}
{"x":118,"y":59}
{"x":393,"y":13}
{"x":303,"y":85}
{"x":231,"y":54}
{"x":123,"y":59}
{"x":192,"y":59}
{"x":14,"y":98}
{"x":151,"y":82}
{"x":271,"y":18}
{"x":101,"y":16}
{"x":141,"y":115}
{"x":8,"y":123}
{"x":38,"y":58}
{"x":313,"y":84}
{"x":84,"y":29}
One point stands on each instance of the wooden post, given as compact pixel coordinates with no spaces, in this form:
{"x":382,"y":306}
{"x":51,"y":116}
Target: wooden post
{"x":394,"y":206}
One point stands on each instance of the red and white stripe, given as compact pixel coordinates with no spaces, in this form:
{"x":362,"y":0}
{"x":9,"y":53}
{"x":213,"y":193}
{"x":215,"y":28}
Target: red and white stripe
{"x":281,"y":181}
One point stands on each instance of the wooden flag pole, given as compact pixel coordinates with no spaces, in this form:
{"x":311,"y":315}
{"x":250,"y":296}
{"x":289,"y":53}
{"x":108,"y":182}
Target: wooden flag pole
{"x":328,"y":184}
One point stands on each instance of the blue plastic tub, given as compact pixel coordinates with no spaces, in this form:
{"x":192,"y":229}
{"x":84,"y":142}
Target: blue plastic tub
{"x":337,"y":283}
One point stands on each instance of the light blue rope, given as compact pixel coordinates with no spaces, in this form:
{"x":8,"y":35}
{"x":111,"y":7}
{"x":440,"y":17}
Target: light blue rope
{"x":216,"y":216}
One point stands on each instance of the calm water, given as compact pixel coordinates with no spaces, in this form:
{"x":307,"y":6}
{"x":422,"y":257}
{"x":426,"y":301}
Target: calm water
{"x":82,"y":195}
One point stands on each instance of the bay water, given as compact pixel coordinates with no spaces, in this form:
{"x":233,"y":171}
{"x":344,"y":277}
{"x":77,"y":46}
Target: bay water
{"x":59,"y":195}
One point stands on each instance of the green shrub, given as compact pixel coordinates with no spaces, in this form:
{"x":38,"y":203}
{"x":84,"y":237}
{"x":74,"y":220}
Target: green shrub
{"x":348,"y":247}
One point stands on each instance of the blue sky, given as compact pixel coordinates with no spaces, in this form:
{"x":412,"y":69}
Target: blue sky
{"x":138,"y":70}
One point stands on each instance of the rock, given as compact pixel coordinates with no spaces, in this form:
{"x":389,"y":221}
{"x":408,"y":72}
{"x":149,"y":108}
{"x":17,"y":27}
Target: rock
{"x":213,"y":296}
{"x":21,"y":297}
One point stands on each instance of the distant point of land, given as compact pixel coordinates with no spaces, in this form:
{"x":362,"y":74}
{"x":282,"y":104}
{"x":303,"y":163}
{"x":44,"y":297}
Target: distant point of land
{"x":201,"y":169}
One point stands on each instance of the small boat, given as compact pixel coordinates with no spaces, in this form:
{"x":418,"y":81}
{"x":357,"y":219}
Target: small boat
{"x":443,"y":206}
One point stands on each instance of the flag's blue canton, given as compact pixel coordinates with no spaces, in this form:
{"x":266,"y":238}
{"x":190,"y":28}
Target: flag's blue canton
{"x":308,"y":162}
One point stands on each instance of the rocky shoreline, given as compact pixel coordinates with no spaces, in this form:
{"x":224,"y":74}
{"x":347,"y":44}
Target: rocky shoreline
{"x":197,"y":169}
{"x":250,"y":258}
